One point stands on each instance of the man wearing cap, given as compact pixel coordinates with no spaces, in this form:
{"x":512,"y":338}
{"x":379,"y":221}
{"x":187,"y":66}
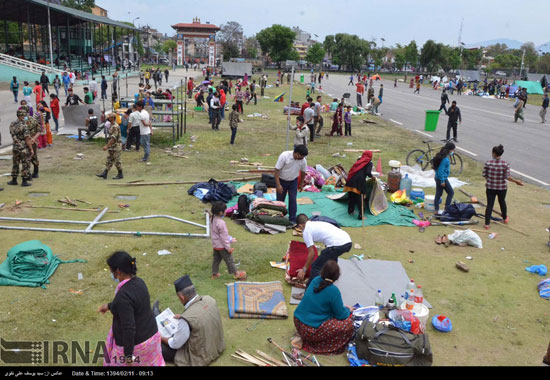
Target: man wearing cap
{"x":22,"y":149}
{"x":199,"y":339}
{"x":114,"y":147}
{"x":73,"y":99}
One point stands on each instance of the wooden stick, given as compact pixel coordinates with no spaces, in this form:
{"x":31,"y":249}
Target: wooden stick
{"x":251,"y":358}
{"x":362,"y":150}
{"x":270,"y":358}
{"x":478,"y":201}
{"x":81,"y":201}
{"x":512,"y":228}
{"x":73,"y":209}
{"x":242,"y":359}
{"x":180,"y":183}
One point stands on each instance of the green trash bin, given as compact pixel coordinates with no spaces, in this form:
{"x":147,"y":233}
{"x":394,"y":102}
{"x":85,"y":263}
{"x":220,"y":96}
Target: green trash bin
{"x":302,"y":78}
{"x":432,"y":117}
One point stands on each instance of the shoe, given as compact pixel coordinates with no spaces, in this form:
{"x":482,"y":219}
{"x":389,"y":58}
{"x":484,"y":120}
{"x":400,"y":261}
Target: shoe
{"x":1,"y":189}
{"x":119,"y":175}
{"x":25,"y":183}
{"x":214,"y":276}
{"x":439,"y":212}
{"x":507,"y":220}
{"x":240,"y":276}
{"x":486,"y":227}
{"x":156,"y":309}
{"x":438,"y":240}
{"x":35,"y":172}
{"x":102,"y":175}
{"x":460,"y":265}
{"x":13,"y":182}
{"x":298,"y":296}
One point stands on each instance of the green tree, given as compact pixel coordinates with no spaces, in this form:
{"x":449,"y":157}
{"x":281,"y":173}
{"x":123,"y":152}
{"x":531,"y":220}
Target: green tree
{"x":315,"y":54}
{"x":250,"y":49}
{"x":277,"y":41}
{"x":411,"y":53}
{"x":431,"y":55}
{"x":450,"y":58}
{"x":169,"y":46}
{"x":329,"y":44}
{"x":399,"y":57}
{"x":231,"y":39}
{"x":543,"y":64}
{"x":81,"y":5}
{"x":471,"y":58}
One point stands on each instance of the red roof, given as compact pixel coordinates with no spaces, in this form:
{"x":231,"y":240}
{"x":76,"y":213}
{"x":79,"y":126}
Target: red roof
{"x":195,"y":25}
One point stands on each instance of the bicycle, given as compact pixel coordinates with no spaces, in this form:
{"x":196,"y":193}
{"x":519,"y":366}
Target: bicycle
{"x":424,"y":158}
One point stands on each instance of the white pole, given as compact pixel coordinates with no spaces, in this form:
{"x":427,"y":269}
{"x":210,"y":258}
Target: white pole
{"x":521,"y":69}
{"x":50,"y":32}
{"x":289,"y":104}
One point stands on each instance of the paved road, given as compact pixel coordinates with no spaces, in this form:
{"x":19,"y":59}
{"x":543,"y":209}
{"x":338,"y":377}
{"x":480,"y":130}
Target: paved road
{"x":485,"y":123}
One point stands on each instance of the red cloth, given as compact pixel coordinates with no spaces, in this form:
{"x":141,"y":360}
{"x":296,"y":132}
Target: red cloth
{"x":305,"y":106}
{"x":190,"y":85}
{"x":360,"y":164}
{"x":360,"y":88}
{"x":297,"y":256}
{"x":54,"y":105}
{"x":223,"y":98}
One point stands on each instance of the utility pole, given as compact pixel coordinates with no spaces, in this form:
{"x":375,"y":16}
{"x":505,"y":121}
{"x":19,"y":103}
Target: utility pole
{"x":50,"y":33}
{"x":521,"y":69}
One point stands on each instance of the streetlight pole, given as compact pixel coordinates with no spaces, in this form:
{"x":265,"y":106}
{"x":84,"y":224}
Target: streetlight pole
{"x":50,"y":33}
{"x":521,"y":69}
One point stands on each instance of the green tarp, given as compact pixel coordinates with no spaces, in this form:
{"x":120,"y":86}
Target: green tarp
{"x":396,"y":215}
{"x":31,"y":264}
{"x":531,"y":86}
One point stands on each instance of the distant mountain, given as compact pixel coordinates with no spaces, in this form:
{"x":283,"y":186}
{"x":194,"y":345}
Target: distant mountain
{"x":512,"y":44}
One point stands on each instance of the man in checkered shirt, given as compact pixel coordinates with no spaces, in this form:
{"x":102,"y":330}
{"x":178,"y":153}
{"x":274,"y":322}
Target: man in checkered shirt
{"x":497,"y":173}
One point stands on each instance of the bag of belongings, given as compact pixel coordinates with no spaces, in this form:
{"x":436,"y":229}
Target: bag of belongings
{"x":217,"y":191}
{"x":458,"y":212}
{"x":269,"y":212}
{"x":390,"y":346}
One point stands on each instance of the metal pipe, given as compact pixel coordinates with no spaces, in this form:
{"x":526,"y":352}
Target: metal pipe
{"x":99,"y":232}
{"x":151,"y":217}
{"x":97,"y":219}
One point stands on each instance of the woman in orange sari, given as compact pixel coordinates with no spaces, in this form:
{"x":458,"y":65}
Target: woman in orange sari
{"x":46,"y":114}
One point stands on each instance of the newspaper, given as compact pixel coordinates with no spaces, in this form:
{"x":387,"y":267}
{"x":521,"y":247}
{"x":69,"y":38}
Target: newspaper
{"x":166,"y":323}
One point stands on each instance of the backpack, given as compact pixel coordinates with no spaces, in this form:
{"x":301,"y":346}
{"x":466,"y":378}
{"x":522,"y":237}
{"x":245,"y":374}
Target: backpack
{"x":269,"y":180}
{"x":260,"y":186}
{"x":391,"y":346}
{"x":457,"y":212}
{"x":92,"y":127}
{"x":326,"y":219}
{"x":243,"y":205}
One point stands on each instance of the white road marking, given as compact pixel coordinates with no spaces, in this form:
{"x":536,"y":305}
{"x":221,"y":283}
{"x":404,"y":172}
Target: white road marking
{"x":531,"y":178}
{"x":416,"y":130}
{"x":396,"y":122}
{"x":467,"y":151}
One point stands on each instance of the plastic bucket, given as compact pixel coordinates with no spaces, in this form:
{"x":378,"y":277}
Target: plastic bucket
{"x":302,"y":78}
{"x":432,"y":117}
{"x":417,"y":193}
{"x":429,"y":202}
{"x":422,"y":312}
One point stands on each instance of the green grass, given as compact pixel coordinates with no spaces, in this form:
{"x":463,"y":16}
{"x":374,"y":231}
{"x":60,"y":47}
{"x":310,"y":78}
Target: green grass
{"x":497,"y":314}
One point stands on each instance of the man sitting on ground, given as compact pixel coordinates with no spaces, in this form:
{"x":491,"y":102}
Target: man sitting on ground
{"x":198,"y":340}
{"x":91,"y":125}
{"x":336,"y":241}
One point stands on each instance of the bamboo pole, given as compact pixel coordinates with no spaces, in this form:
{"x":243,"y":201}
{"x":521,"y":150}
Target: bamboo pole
{"x":179,"y":183}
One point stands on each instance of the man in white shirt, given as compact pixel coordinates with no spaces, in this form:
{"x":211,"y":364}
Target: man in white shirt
{"x":288,"y":166}
{"x":145,"y":130}
{"x":317,"y":118}
{"x":134,"y":123}
{"x":336,"y":241}
{"x":216,"y":112}
{"x":309,"y":121}
{"x":93,"y":87}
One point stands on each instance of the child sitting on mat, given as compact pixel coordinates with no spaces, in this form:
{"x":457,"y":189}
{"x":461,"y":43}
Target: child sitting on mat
{"x":221,"y":243}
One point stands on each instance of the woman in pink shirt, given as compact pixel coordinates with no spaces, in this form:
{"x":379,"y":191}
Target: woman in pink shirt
{"x":221,"y":242}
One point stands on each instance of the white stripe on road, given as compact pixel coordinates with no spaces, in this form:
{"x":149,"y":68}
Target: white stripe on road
{"x":396,"y":122}
{"x":531,"y":178}
{"x":416,"y":130}
{"x":467,"y":151}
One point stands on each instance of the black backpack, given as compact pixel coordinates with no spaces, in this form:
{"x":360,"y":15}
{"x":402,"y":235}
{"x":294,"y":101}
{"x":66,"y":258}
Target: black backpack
{"x":269,"y":180}
{"x":458,"y":212}
{"x":92,"y":126}
{"x":390,"y":346}
{"x":260,"y":186}
{"x":243,"y":205}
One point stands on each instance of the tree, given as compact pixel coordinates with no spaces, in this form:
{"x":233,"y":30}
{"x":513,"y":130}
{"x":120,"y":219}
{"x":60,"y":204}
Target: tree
{"x":399,"y":57}
{"x":277,"y":41}
{"x":250,"y":49}
{"x":411,"y":53}
{"x":329,"y":44}
{"x":450,"y":58}
{"x":471,"y":58}
{"x":81,"y":5}
{"x":431,"y":55}
{"x":348,"y":50}
{"x":169,"y":46}
{"x":543,"y":64}
{"x":315,"y":54}
{"x":231,"y":39}
{"x":531,"y":55}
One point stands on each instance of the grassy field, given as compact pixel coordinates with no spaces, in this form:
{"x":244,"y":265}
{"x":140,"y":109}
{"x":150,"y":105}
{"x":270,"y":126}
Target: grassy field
{"x":497,"y":314}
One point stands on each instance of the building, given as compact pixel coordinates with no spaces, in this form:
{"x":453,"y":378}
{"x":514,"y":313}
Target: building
{"x":302,"y":37}
{"x":150,"y":39}
{"x":197,"y":43}
{"x":301,"y":49}
{"x":98,"y":11}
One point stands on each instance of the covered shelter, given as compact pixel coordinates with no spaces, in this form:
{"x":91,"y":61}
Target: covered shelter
{"x":531,"y":86}
{"x":470,"y":75}
{"x":236,"y":69}
{"x":80,"y":41}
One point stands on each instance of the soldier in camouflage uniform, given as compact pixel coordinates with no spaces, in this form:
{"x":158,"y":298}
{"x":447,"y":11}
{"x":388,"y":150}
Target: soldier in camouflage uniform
{"x":114,"y":147}
{"x":22,"y":149}
{"x":34,"y":126}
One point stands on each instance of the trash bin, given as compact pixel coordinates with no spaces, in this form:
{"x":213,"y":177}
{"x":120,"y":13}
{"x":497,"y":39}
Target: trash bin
{"x":432,"y":117}
{"x":302,"y":78}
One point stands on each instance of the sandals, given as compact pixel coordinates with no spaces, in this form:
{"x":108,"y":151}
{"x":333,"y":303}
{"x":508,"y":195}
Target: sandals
{"x":486,"y":227}
{"x":215,"y":276}
{"x":240,"y":276}
{"x":463,"y":267}
{"x":442,"y":240}
{"x":439,"y":240}
{"x":296,"y":341}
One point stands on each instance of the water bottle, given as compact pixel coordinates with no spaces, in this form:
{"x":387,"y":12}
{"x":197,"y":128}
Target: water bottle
{"x":402,"y":302}
{"x":410,"y":286}
{"x":379,"y":299}
{"x":418,"y":295}
{"x":406,"y":184}
{"x":410,"y":300}
{"x":391,"y":304}
{"x":394,"y":299}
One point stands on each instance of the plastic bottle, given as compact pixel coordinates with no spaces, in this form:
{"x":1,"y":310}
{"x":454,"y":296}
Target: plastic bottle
{"x":391,"y":304}
{"x":410,"y":286}
{"x":379,"y":299}
{"x":406,"y":184}
{"x":418,"y":295}
{"x":394,"y":299}
{"x":402,"y":302}
{"x":410,"y":300}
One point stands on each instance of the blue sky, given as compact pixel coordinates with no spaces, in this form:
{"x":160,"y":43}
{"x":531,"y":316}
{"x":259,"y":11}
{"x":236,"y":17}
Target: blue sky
{"x":397,"y":21}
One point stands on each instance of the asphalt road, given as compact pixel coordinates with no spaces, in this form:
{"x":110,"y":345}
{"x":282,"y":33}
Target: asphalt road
{"x":485,"y":123}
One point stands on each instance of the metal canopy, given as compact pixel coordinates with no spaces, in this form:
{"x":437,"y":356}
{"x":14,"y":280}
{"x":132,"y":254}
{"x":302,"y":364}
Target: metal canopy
{"x":16,"y":11}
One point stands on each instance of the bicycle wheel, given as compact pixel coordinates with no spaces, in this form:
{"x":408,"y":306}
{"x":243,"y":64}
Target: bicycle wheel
{"x":418,"y":157}
{"x":456,"y":164}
